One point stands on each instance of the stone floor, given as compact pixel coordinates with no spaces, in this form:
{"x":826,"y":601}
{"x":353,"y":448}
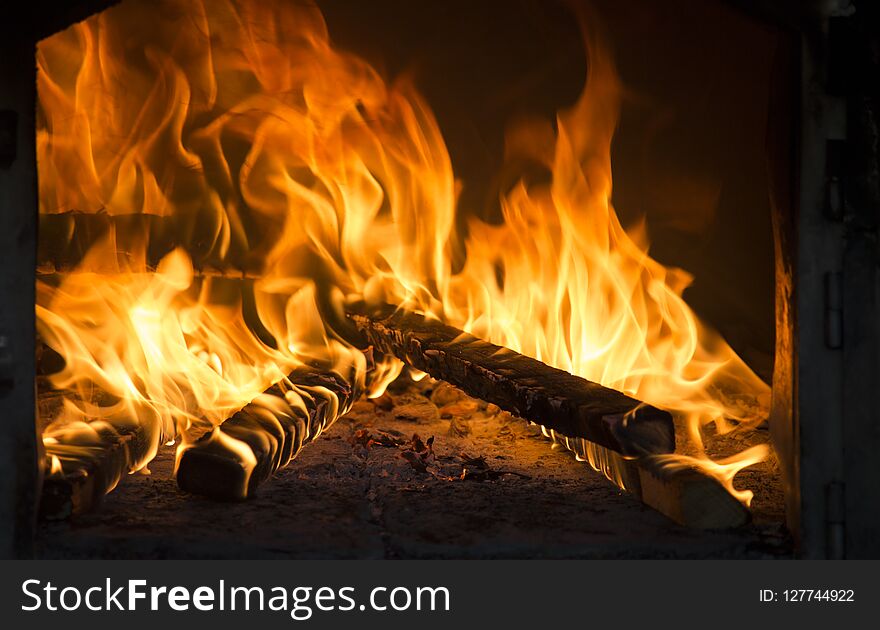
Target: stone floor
{"x":487,"y":486}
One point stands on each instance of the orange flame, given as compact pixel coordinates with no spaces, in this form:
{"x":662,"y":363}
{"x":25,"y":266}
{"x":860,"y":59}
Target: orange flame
{"x":265,"y":143}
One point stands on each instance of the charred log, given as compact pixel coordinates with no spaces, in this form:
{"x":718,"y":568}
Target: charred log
{"x":569,"y":405}
{"x":271,"y":429}
{"x":230,"y":463}
{"x":89,"y":472}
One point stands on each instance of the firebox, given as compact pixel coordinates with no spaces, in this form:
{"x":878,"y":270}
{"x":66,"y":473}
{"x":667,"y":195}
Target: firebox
{"x":447,"y":279}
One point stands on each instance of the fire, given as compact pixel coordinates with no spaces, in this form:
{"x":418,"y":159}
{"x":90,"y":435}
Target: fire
{"x":265,"y":143}
{"x":172,"y":358}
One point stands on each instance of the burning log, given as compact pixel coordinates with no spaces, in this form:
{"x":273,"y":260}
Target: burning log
{"x":619,"y":436}
{"x":88,"y":471}
{"x":232,"y":461}
{"x":553,"y":398}
{"x":688,"y":495}
{"x":680,"y":488}
{"x":227,"y":464}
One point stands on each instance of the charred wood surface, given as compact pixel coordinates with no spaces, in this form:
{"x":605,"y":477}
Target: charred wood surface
{"x":570,"y":405}
{"x":272,"y":429}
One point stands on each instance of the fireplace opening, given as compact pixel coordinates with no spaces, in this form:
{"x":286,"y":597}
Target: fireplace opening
{"x":454,"y":280}
{"x":245,"y":228}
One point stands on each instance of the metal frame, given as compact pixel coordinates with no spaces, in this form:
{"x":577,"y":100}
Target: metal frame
{"x":825,"y":420}
{"x":20,"y":448}
{"x":19,"y":475}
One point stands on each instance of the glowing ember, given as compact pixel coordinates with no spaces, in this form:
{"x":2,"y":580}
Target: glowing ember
{"x":266,"y":143}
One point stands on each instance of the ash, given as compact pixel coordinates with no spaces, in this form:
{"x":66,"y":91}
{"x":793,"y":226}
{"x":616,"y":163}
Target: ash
{"x":422,"y":472}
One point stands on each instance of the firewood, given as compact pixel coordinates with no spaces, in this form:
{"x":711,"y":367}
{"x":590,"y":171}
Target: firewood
{"x":689,"y":496}
{"x":631,"y":453}
{"x":271,"y":428}
{"x":568,"y":404}
{"x":90,"y":471}
{"x":676,"y":487}
{"x":267,"y":434}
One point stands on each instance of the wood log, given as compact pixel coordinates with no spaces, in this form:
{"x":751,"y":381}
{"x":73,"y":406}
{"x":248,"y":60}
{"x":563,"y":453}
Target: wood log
{"x":676,"y":487}
{"x":568,"y":404}
{"x":273,"y":428}
{"x":90,"y":471}
{"x":586,"y":417}
{"x":230,"y":463}
{"x":689,"y":496}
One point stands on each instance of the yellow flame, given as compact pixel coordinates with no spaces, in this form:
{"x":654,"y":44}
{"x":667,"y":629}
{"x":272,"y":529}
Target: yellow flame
{"x":269,"y":147}
{"x":724,"y":470}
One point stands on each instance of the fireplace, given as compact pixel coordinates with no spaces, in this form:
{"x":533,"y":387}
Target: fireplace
{"x":332,"y":242}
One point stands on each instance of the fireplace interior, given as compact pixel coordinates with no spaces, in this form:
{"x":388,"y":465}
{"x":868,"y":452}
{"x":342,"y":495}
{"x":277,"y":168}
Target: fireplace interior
{"x":351,"y":280}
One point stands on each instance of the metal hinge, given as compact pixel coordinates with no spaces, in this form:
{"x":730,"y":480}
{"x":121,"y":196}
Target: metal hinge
{"x":835,"y":515}
{"x":834,"y":310}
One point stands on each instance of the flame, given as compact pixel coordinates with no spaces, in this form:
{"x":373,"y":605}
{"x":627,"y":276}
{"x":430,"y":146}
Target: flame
{"x":723,"y":470}
{"x":270,"y":147}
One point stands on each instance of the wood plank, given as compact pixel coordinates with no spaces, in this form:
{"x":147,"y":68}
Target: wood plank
{"x":689,"y":496}
{"x":568,"y":404}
